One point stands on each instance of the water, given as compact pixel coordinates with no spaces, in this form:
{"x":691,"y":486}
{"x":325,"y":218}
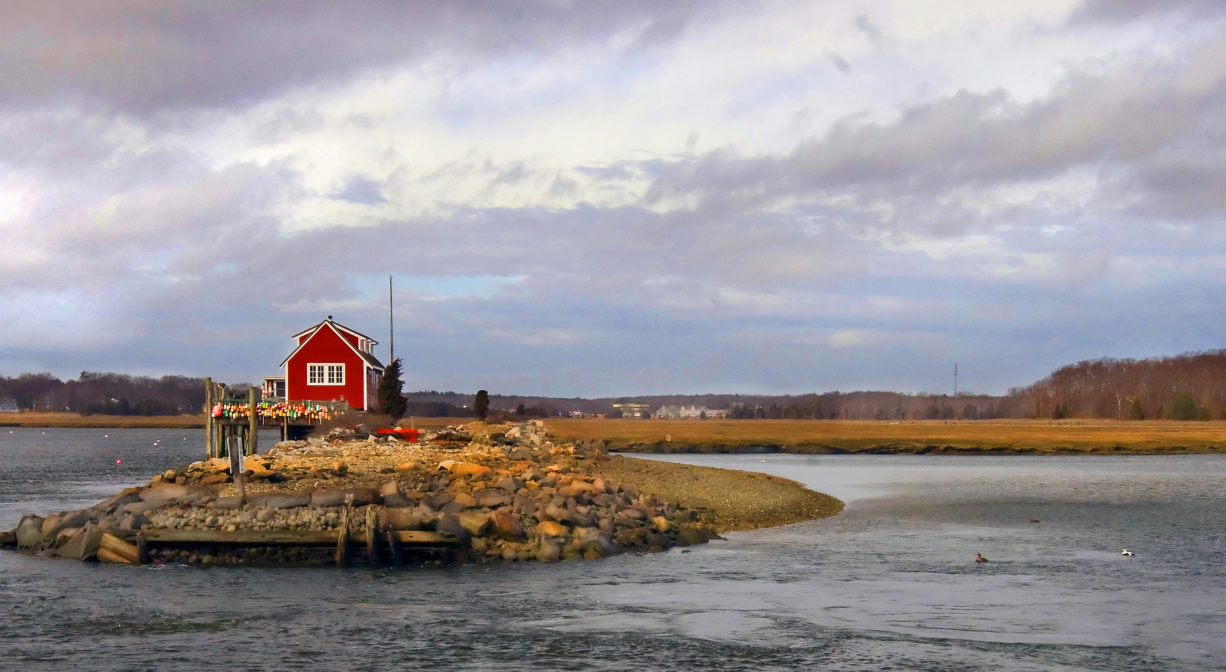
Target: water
{"x":888,"y":585}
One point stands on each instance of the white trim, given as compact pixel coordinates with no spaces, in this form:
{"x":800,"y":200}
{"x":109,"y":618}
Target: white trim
{"x":327,"y":374}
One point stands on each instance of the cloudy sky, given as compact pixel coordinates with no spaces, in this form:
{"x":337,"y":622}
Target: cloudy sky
{"x":614,"y":198}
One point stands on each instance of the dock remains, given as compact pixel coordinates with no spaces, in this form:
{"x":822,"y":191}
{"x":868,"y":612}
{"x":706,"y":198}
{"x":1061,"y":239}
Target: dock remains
{"x":473,"y":493}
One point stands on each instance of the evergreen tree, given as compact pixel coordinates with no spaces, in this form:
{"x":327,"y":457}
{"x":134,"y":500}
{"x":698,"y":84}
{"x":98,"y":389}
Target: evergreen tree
{"x":481,"y":405}
{"x":391,"y":401}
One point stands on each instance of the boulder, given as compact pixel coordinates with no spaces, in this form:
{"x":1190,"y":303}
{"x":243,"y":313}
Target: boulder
{"x":451,"y":523}
{"x":114,"y":503}
{"x":506,"y":525}
{"x":51,"y":525}
{"x":29,"y":531}
{"x":279,"y":501}
{"x":549,"y":552}
{"x":404,"y":467}
{"x":549,"y":528}
{"x":464,"y":499}
{"x":399,"y":519}
{"x":83,"y":545}
{"x":163,"y":493}
{"x":140,"y":507}
{"x":474,"y":522}
{"x":694,"y":534}
{"x":389,"y":488}
{"x":226,"y":503}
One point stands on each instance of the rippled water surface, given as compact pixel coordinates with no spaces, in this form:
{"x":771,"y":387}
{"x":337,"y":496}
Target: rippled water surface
{"x":889,"y":584}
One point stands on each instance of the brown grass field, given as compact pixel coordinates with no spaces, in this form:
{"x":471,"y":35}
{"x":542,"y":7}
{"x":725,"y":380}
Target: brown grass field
{"x":825,"y":436}
{"x":804,"y":436}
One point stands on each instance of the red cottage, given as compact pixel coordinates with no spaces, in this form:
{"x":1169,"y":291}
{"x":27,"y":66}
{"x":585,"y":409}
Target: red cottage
{"x":332,"y":363}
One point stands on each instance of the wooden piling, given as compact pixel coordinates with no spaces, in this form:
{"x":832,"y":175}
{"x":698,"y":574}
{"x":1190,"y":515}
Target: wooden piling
{"x":393,"y":547}
{"x":142,"y":549}
{"x":342,"y":540}
{"x":253,"y":424}
{"x":208,"y":419}
{"x":372,"y":537}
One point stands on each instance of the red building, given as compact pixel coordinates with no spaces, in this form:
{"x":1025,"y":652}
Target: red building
{"x":332,"y":362}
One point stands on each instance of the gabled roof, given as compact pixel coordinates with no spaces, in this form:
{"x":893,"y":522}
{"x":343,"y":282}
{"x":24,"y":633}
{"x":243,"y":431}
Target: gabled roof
{"x":336,"y":325}
{"x":370,"y":359}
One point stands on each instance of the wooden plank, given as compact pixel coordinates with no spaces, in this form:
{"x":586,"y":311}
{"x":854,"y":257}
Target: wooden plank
{"x":8,"y":538}
{"x":208,"y":421}
{"x":425,"y":538}
{"x":372,"y":537}
{"x":163,"y":537}
{"x":105,"y":555}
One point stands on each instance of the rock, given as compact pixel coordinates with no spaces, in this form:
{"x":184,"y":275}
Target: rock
{"x":451,"y":523}
{"x":474,"y":522}
{"x":328,"y":498}
{"x":399,"y":519}
{"x":276,"y":501}
{"x":406,"y":466}
{"x":510,"y":484}
{"x":163,"y":493}
{"x":398,"y":501}
{"x":469,"y":469}
{"x":225,"y":503}
{"x":389,"y":488}
{"x":215,"y":479}
{"x":51,"y":525}
{"x":662,"y":524}
{"x":112,"y":504}
{"x":82,"y":546}
{"x":506,"y":525}
{"x":549,"y":528}
{"x":29,"y":531}
{"x":465,"y":500}
{"x":264,"y":515}
{"x":140,"y":507}
{"x":694,"y":534}
{"x":492,"y":499}
{"x":549,"y":552}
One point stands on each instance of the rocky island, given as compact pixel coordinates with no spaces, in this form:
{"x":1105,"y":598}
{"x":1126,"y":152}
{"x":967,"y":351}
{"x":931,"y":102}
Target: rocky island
{"x":472,"y":493}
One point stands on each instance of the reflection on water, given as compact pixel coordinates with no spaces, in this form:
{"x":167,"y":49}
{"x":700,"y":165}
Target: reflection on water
{"x":889,"y":584}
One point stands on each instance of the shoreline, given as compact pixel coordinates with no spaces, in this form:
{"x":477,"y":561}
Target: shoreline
{"x":473,"y":493}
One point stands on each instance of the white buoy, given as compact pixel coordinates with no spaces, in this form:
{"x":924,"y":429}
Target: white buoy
{"x":1126,"y":552}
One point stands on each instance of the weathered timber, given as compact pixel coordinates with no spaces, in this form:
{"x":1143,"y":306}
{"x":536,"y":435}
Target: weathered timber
{"x":142,"y":549}
{"x":372,"y":536}
{"x":253,"y":428}
{"x":342,"y":540}
{"x":113,"y":549}
{"x":8,"y":538}
{"x":188,"y":537}
{"x":393,"y":547}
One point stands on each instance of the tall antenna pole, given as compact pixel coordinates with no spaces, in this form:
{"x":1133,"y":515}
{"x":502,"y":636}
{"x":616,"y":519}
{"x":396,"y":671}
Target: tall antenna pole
{"x":391,"y":327}
{"x":955,"y":379}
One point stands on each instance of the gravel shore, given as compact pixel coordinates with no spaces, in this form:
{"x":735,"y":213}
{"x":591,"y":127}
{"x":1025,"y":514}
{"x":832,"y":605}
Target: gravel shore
{"x":736,"y":500}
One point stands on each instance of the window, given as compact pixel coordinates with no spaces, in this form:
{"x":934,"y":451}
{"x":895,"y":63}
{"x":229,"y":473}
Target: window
{"x":325,"y":374}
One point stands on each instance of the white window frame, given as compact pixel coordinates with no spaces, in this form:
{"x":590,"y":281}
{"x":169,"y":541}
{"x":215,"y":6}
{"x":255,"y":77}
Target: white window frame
{"x":327,"y":373}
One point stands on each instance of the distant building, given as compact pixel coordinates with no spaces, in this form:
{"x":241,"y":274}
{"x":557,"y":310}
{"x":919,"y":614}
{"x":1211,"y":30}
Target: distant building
{"x":690,"y":413}
{"x":8,"y":405}
{"x":273,"y":388}
{"x":332,"y":363}
{"x":633,"y":410}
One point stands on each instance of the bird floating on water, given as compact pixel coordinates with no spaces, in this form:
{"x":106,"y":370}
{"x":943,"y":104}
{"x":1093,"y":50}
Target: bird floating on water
{"x":979,"y":558}
{"x":1126,"y":552}
{"x":1035,"y":520}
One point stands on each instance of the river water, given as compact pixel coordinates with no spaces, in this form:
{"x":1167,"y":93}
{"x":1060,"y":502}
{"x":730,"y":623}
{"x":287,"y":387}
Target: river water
{"x":890,"y":584}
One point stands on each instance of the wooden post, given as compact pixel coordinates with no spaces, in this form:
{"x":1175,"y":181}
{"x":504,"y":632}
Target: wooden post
{"x":372,"y":536}
{"x":142,"y":549}
{"x":253,"y":422}
{"x":342,"y":539}
{"x":208,"y":418}
{"x":393,"y":545}
{"x":236,"y":464}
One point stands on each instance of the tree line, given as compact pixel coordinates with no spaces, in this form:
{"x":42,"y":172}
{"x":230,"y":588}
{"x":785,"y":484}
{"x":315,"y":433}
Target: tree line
{"x":105,"y":393}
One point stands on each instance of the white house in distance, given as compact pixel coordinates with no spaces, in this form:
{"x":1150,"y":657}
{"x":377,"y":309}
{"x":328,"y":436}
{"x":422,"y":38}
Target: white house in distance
{"x":690,"y":413}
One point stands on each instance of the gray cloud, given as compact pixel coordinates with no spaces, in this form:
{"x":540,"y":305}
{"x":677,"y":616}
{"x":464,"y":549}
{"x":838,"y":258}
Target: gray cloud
{"x":141,"y":58}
